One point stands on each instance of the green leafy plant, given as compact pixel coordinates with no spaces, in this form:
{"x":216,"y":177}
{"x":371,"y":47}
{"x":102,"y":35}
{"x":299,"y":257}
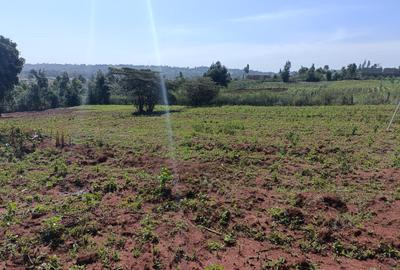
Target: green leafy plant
{"x":164,"y":178}
{"x":52,"y":231}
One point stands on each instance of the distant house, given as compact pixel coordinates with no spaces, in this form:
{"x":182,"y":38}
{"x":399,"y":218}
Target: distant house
{"x":391,"y":72}
{"x":371,"y":71}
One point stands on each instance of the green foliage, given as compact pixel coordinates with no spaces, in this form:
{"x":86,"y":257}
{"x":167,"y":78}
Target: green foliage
{"x":229,"y":239}
{"x":60,"y":168}
{"x":214,"y":245}
{"x":11,"y":211}
{"x":164,"y":178}
{"x":52,"y":231}
{"x":259,"y":93}
{"x":219,"y":74}
{"x":293,"y":138}
{"x":200,"y":91}
{"x":280,"y":239}
{"x":143,"y":86}
{"x":312,"y":75}
{"x":285,"y":74}
{"x":99,"y":90}
{"x":10,"y":66}
{"x":52,"y":263}
{"x":214,"y":267}
{"x":291,"y":217}
{"x":225,"y":217}
{"x":110,"y":186}
{"x":278,"y":264}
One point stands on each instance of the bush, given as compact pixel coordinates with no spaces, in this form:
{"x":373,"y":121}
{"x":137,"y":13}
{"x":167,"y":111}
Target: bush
{"x":200,"y":91}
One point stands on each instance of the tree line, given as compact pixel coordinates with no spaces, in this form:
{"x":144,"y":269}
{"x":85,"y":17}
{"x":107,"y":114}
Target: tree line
{"x":142,"y":87}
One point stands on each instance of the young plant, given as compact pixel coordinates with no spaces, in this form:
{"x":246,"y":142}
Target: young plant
{"x":164,"y":177}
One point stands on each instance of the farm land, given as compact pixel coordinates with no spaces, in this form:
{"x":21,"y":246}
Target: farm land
{"x":231,"y":187}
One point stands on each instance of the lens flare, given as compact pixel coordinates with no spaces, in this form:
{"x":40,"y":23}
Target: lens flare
{"x":167,"y":115}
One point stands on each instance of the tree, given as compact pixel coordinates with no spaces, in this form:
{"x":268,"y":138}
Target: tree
{"x":302,"y":73}
{"x":60,"y":86}
{"x":329,"y":75}
{"x":200,"y":91}
{"x":10,"y":66}
{"x":99,"y":90}
{"x":142,"y":85}
{"x":72,"y":95}
{"x":219,"y":74}
{"x":37,"y":90}
{"x":285,"y":74}
{"x":311,"y":74}
{"x":246,"y":70}
{"x":351,"y":72}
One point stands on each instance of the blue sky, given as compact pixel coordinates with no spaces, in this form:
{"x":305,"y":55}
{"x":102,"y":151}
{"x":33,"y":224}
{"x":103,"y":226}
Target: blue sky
{"x":191,"y":33}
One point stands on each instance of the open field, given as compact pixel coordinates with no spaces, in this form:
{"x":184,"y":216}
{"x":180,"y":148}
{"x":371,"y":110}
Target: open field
{"x":238,"y":187}
{"x":346,"y":92}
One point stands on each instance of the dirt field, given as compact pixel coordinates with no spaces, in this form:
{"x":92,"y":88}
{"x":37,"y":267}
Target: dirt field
{"x":235,"y":188}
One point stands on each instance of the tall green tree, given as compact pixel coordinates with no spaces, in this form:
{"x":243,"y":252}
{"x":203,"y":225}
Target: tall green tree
{"x":351,"y":72}
{"x":285,"y":74}
{"x":219,"y":74}
{"x":60,"y":86}
{"x":246,"y":70}
{"x":72,"y":94}
{"x":37,"y":90}
{"x":10,"y":66}
{"x":99,"y":90}
{"x":312,"y":74}
{"x":143,"y":85}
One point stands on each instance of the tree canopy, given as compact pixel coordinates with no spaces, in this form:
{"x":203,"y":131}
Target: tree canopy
{"x":99,"y":90}
{"x":10,"y":66}
{"x":219,"y":74}
{"x":285,"y":74}
{"x":201,"y":91}
{"x":142,"y":85}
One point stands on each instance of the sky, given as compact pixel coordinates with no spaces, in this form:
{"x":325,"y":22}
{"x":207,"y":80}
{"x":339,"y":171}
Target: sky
{"x":189,"y":33}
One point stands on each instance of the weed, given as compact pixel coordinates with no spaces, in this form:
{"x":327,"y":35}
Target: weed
{"x":291,"y":217}
{"x":91,"y":199}
{"x":52,"y":231}
{"x":39,"y":211}
{"x":60,"y":168}
{"x":280,"y":239}
{"x":110,"y":186}
{"x":9,"y":216}
{"x":164,"y":177}
{"x":53,"y":263}
{"x":278,"y":264}
{"x":136,"y":252}
{"x":214,"y":245}
{"x":224,"y":218}
{"x":293,"y":138}
{"x":229,"y":239}
{"x":214,"y":267}
{"x":147,"y":232}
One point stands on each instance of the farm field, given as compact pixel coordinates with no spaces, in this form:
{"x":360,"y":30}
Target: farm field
{"x":231,"y":187}
{"x":371,"y":92}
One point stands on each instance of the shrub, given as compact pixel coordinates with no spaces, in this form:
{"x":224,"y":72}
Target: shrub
{"x":200,"y":91}
{"x":110,"y":186}
{"x":164,"y":177}
{"x":52,"y":231}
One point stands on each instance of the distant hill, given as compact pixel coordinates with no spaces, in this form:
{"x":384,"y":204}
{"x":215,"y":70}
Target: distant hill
{"x":87,"y":71}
